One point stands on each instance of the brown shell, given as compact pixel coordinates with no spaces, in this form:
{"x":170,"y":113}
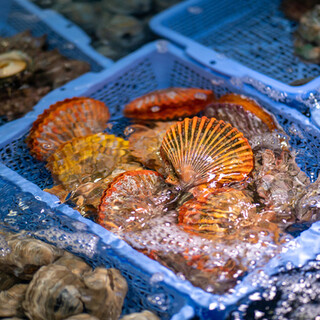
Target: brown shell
{"x":170,"y":103}
{"x":27,"y":255}
{"x":53,"y":294}
{"x":144,"y":315}
{"x":86,"y":159}
{"x":145,"y":142}
{"x":104,"y":293}
{"x":65,"y":120}
{"x":132,"y":200}
{"x":202,"y":150}
{"x":82,"y":316}
{"x":11,"y":301}
{"x":244,"y":114}
{"x":220,"y":213}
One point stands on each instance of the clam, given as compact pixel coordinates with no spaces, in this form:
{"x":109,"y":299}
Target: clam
{"x":170,"y":103}
{"x":11,"y":301}
{"x":145,"y":142}
{"x":243,"y":113}
{"x":63,"y":121}
{"x":27,"y":255}
{"x":132,"y":200}
{"x":144,"y":315}
{"x":218,"y":214}
{"x":104,"y":293}
{"x":53,"y":294}
{"x":202,"y":150}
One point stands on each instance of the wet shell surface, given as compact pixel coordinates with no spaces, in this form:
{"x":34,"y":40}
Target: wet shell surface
{"x":169,"y":103}
{"x":220,"y":213}
{"x":145,"y":142}
{"x":244,"y":114}
{"x":133,"y":199}
{"x":86,"y":159}
{"x":53,"y":294}
{"x":65,"y":120}
{"x":202,"y":150}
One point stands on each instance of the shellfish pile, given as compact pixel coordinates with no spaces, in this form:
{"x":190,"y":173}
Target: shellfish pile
{"x":206,"y":186}
{"x":28,"y":71}
{"x":39,"y":281}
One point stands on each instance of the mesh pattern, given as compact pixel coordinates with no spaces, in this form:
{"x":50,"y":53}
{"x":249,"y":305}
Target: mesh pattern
{"x":254,"y":33}
{"x":21,"y":211}
{"x":20,"y":20}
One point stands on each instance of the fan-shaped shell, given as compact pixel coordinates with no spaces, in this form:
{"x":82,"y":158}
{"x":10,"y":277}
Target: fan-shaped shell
{"x":220,"y":213}
{"x":202,"y":150}
{"x":87,"y":159}
{"x":65,"y":120}
{"x":132,"y":200}
{"x":169,"y":103}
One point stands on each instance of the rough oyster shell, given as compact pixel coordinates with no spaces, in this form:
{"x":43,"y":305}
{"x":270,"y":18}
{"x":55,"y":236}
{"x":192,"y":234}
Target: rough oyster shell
{"x":144,"y":315}
{"x":133,"y":198}
{"x":7,"y":280}
{"x":202,"y":150}
{"x":169,"y":103}
{"x":53,"y":294}
{"x":64,"y":120}
{"x":82,"y":316}
{"x":11,"y":301}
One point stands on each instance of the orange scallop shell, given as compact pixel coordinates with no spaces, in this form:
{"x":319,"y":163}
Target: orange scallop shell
{"x":87,"y":159}
{"x":132,"y":199}
{"x":220,"y":213}
{"x":251,"y":106}
{"x":64,"y":120}
{"x":169,"y":103}
{"x":202,"y":150}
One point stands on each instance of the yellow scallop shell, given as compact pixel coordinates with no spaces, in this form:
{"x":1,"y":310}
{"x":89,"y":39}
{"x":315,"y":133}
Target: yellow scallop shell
{"x":202,"y":150}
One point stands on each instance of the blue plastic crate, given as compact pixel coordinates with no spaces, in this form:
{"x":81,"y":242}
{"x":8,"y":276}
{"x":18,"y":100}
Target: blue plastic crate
{"x":157,"y":65}
{"x":249,"y":41}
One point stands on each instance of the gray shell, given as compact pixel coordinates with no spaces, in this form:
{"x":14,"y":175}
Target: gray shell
{"x":53,"y":294}
{"x":104,"y":293}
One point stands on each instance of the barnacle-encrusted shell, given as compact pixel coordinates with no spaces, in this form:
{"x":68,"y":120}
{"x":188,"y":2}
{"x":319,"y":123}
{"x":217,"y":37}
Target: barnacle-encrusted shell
{"x":242,"y":113}
{"x":11,"y":301}
{"x":169,"y":103}
{"x":104,"y":293}
{"x":73,"y":263}
{"x":65,"y":120}
{"x":145,"y":142}
{"x":132,"y":200}
{"x":201,"y":150}
{"x":27,"y":255}
{"x":53,"y":294}
{"x":144,"y":315}
{"x":221,"y":212}
{"x":86,"y":159}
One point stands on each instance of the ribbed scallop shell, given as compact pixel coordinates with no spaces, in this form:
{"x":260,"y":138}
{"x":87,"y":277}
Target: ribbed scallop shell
{"x":132,"y":200}
{"x":87,"y":159}
{"x":170,"y":103}
{"x":221,"y":212}
{"x":65,"y":120}
{"x":202,"y":150}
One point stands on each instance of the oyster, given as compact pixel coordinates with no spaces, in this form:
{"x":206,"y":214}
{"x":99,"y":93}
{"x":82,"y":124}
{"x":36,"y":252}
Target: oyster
{"x":104,"y":293}
{"x":63,"y":121}
{"x":169,"y":103}
{"x":144,"y":315}
{"x":133,"y":198}
{"x":82,"y":316}
{"x":145,"y":142}
{"x":27,"y":255}
{"x":7,"y":280}
{"x":11,"y":301}
{"x":202,"y":150}
{"x":53,"y":294}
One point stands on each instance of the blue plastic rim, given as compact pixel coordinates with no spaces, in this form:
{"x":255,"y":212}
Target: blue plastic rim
{"x":249,"y":41}
{"x":155,"y":66}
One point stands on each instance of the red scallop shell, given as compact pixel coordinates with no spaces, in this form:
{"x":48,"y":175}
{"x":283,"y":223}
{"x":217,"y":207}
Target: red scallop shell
{"x":132,"y":199}
{"x":169,"y":103}
{"x":64,"y":120}
{"x":202,"y":150}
